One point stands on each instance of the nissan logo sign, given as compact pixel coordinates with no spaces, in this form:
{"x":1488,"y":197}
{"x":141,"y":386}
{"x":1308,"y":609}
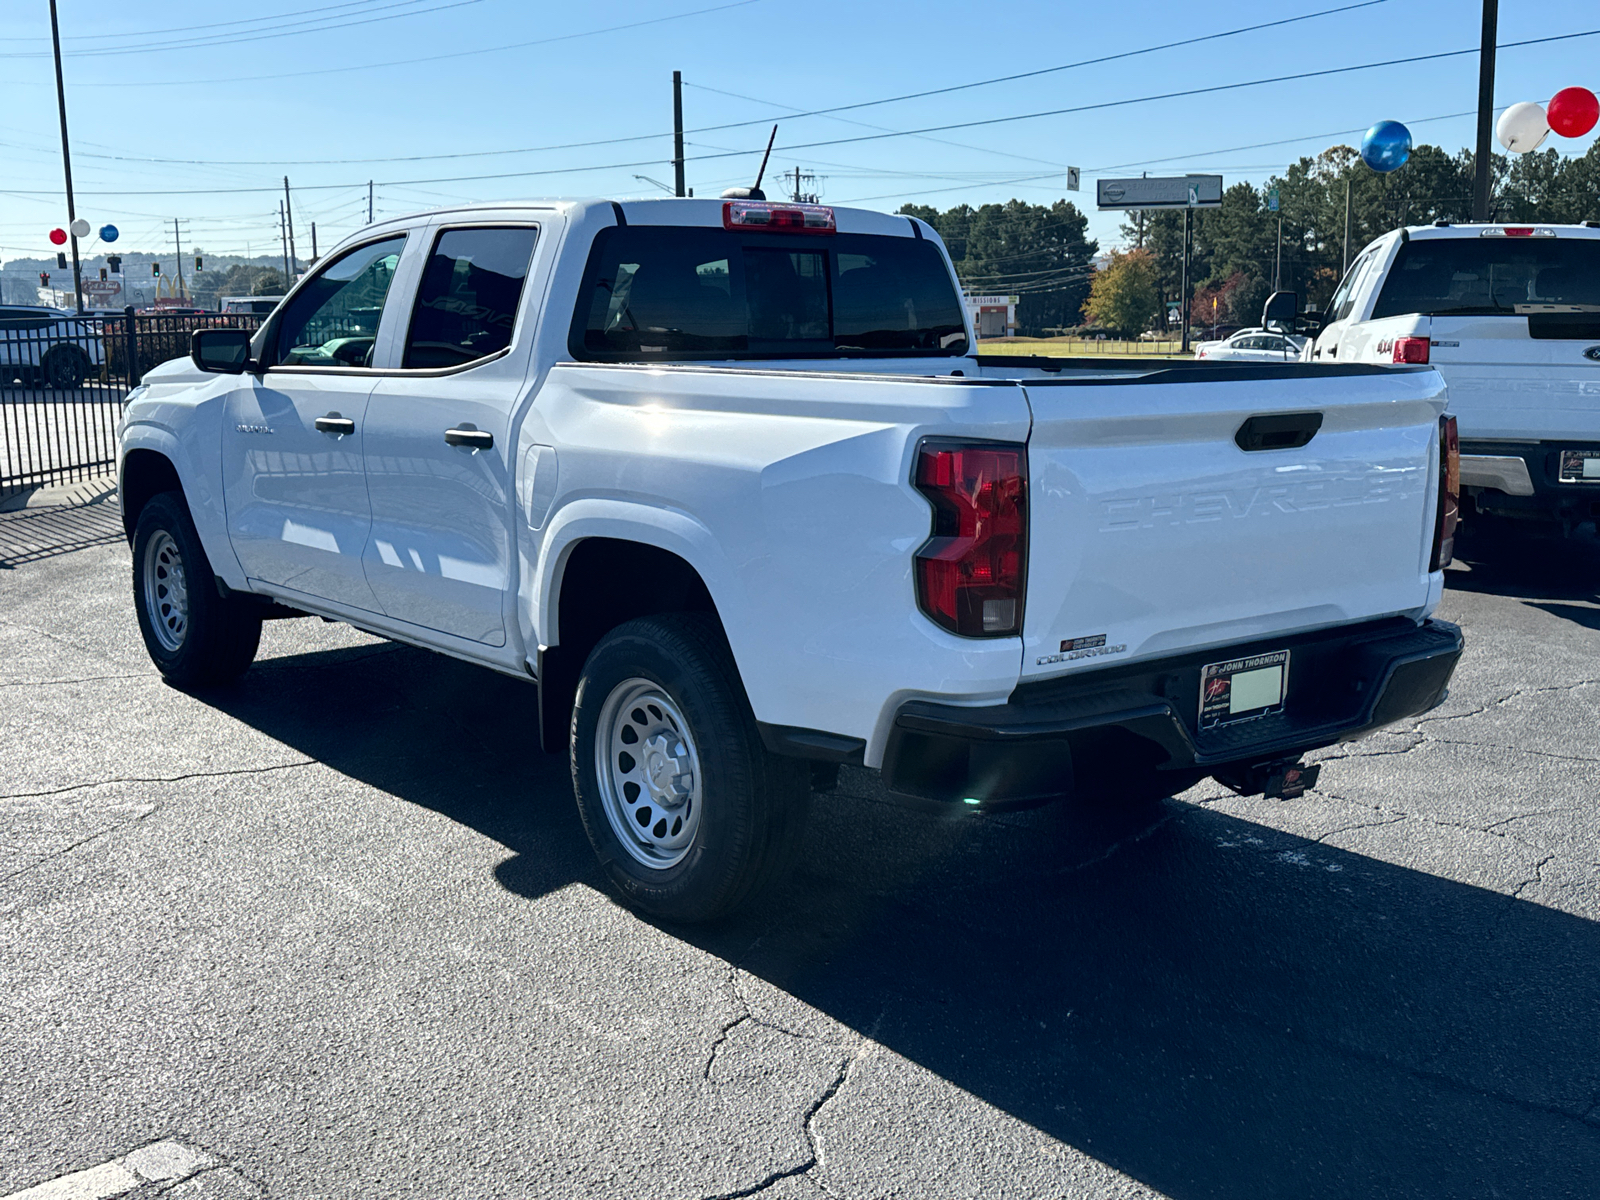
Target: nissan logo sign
{"x":1592,"y":353}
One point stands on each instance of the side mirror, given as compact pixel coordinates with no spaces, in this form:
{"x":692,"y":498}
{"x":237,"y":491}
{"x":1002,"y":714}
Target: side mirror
{"x":1280,"y":311}
{"x":225,"y":351}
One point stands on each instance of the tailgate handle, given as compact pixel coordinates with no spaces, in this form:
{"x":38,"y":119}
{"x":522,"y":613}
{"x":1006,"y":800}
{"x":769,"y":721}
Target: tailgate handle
{"x":1280,"y":431}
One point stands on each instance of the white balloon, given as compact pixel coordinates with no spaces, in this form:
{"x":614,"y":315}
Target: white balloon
{"x":80,"y":228}
{"x":1522,"y":127}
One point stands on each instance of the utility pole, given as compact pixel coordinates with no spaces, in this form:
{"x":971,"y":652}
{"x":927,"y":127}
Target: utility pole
{"x":66,"y":157}
{"x":1346,"y":264}
{"x":1188,"y":225}
{"x":369,"y":202}
{"x":1277,"y":266}
{"x":288,"y":210}
{"x":677,"y":132}
{"x":283,"y":232}
{"x":177,"y":244}
{"x":1483,"y":162}
{"x":313,"y":243}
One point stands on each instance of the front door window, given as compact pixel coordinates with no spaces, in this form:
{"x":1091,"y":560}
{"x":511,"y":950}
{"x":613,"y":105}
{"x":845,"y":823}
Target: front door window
{"x":333,"y":320}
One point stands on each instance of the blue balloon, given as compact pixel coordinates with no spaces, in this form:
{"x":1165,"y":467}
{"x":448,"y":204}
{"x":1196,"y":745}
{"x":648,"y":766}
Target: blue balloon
{"x":1386,"y":146}
{"x":108,"y":233}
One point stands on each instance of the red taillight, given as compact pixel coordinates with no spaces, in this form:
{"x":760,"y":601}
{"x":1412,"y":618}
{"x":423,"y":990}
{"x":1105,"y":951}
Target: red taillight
{"x":1519,"y":230}
{"x":777,"y":218}
{"x":1411,"y":350}
{"x":1449,"y":515}
{"x":971,"y":572}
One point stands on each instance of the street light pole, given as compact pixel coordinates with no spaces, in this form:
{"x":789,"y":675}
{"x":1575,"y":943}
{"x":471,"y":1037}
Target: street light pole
{"x":1483,"y":163}
{"x":66,"y":157}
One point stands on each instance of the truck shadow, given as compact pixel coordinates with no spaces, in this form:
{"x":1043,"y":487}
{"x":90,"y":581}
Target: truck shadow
{"x":1502,"y":560}
{"x":1212,"y":1007}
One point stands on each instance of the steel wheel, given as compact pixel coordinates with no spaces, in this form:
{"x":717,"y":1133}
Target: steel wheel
{"x":166,"y":591}
{"x":648,"y":772}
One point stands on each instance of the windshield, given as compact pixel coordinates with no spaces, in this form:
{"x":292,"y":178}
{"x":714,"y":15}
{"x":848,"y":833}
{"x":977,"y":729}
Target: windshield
{"x":1439,"y":276}
{"x":666,"y":292}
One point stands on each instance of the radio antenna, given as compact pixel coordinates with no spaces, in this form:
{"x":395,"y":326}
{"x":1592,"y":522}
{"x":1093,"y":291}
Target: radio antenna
{"x":764,"y":157}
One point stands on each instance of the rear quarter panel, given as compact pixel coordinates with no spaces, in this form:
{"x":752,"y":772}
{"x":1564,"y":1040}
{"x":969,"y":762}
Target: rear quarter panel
{"x":790,"y":494}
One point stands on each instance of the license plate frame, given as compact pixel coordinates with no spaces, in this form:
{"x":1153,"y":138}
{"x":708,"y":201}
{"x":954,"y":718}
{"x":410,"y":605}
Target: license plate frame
{"x":1242,"y":681}
{"x":1580,"y":466}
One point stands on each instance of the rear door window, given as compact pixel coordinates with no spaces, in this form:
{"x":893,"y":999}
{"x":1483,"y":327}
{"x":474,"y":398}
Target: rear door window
{"x":1485,"y":275}
{"x":467,"y":302}
{"x":666,"y":292}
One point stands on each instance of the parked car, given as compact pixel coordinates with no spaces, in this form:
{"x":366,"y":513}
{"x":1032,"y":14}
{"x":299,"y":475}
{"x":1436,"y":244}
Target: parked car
{"x":47,"y":347}
{"x":727,"y":484}
{"x":1253,"y":345}
{"x":1509,"y":315}
{"x":261,"y":305}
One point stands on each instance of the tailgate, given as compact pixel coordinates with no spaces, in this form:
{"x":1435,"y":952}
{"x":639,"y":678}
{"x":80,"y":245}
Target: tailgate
{"x":1506,"y":382}
{"x":1152,"y":531}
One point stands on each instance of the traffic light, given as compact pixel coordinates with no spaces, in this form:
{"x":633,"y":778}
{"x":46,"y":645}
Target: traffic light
{"x":199,"y":265}
{"x":61,"y":262}
{"x":102,"y":274}
{"x":155,"y":268}
{"x":44,"y":278}
{"x":114,"y":261}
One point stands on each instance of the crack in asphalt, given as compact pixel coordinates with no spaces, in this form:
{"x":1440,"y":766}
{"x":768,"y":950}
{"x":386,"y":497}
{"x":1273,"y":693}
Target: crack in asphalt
{"x":47,"y":635}
{"x":81,"y":842}
{"x":309,"y":762}
{"x":31,"y":683}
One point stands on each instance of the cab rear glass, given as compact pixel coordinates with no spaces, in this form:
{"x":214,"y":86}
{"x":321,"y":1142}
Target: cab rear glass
{"x":1481,"y":275}
{"x":662,"y":292}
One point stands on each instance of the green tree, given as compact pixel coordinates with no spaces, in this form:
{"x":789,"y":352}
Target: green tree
{"x":1038,"y":253}
{"x":1124,"y":296}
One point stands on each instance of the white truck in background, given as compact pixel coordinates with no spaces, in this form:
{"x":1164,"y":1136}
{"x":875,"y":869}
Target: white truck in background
{"x":726,"y":482}
{"x":1510,"y":316}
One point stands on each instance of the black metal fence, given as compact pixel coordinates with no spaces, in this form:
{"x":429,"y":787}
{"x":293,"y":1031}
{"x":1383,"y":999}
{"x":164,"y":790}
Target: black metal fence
{"x":63,"y":380}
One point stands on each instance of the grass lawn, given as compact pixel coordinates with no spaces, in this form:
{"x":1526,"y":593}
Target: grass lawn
{"x":1069,"y":347}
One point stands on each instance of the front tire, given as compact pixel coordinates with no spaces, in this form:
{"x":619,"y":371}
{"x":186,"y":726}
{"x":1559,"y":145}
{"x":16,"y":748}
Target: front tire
{"x":686,"y":809}
{"x":66,"y":367}
{"x":195,"y":637}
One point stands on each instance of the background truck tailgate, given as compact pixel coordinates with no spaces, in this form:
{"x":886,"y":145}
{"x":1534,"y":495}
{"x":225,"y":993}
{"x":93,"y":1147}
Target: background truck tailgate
{"x":1152,"y":531}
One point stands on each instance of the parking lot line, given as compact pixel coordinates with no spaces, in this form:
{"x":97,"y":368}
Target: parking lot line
{"x":160,"y":1162}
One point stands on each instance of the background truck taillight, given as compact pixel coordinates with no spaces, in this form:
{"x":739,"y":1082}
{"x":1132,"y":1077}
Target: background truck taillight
{"x":1411,"y":350}
{"x":1449,"y":516}
{"x":971,"y":572}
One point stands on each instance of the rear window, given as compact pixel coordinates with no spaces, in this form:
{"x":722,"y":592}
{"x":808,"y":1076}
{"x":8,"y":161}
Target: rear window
{"x":654,"y":292}
{"x":1438,"y":276}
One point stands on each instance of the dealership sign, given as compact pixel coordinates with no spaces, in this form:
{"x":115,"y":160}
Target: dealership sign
{"x":1172,"y":191}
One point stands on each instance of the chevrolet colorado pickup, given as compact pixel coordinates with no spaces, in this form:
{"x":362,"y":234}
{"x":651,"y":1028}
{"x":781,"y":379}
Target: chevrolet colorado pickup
{"x":727,"y":482}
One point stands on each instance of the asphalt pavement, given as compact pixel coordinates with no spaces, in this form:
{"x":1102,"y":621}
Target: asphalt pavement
{"x":336,"y":931}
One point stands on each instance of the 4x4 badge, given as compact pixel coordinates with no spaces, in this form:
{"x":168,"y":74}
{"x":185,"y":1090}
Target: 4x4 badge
{"x":1593,"y":352}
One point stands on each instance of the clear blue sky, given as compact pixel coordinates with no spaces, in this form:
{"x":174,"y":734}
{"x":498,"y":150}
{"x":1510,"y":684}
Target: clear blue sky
{"x":248,"y":108}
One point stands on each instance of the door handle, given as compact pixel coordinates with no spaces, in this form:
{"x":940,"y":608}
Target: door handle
{"x":1280,"y":431}
{"x":334,"y":423}
{"x":478,"y":439}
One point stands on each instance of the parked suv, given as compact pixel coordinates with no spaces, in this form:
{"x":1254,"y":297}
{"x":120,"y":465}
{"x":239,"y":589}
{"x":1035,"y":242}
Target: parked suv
{"x":47,"y":347}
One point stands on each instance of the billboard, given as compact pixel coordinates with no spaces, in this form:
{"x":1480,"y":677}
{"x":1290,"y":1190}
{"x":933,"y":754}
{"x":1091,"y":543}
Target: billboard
{"x":1171,"y":191}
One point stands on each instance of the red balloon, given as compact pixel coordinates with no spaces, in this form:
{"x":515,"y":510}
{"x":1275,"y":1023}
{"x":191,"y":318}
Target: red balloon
{"x":58,"y":236}
{"x":1573,"y":111}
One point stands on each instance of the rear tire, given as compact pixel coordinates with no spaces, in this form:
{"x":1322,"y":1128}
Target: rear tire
{"x":66,"y":367}
{"x":688,"y":812}
{"x":195,"y":637}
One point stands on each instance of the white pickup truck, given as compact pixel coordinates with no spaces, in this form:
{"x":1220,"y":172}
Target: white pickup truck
{"x":727,"y":482}
{"x":1510,"y":316}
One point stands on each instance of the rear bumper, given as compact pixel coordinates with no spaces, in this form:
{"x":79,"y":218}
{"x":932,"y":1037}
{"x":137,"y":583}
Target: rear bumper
{"x":1525,"y":479}
{"x":1342,"y":684}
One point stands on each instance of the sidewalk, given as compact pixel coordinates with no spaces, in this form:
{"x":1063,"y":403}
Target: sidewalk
{"x":56,"y":520}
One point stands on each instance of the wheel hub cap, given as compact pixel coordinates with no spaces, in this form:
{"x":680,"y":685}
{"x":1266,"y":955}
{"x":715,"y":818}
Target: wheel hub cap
{"x":648,"y":772}
{"x":166,"y":591}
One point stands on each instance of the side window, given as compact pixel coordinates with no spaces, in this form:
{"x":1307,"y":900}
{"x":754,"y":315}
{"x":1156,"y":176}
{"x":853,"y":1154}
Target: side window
{"x":467,"y":302}
{"x":333,"y":320}
{"x":1344,"y":298}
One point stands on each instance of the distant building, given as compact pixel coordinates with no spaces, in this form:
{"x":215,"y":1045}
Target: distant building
{"x":993,"y":316}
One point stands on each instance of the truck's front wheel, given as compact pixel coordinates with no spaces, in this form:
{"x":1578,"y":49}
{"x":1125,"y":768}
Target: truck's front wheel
{"x":684,"y":806}
{"x":194,"y":635}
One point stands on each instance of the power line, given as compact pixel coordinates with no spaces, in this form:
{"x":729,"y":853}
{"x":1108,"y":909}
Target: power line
{"x":86,"y":37}
{"x":1097,"y":106}
{"x":212,"y":40}
{"x":431,"y":58}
